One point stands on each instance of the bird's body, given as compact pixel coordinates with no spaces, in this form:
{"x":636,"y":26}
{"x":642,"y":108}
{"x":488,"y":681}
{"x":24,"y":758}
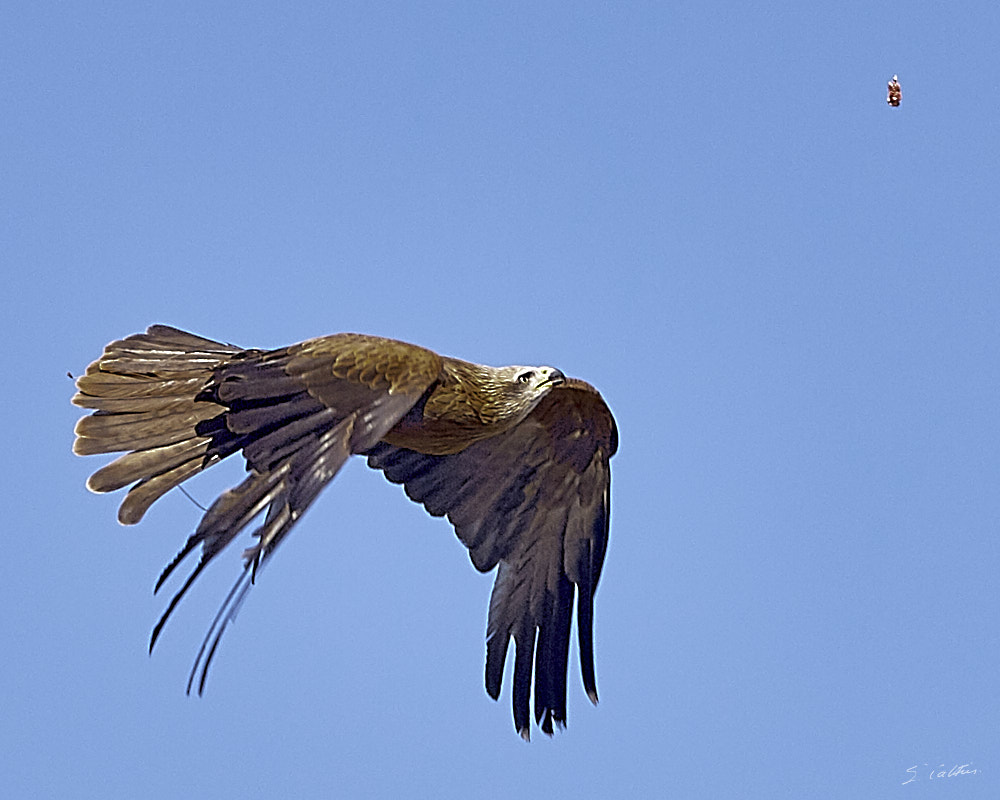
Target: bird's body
{"x":517,"y":457}
{"x":894,"y":92}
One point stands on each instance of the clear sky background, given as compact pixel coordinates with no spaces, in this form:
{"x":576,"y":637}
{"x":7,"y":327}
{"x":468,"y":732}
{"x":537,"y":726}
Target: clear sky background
{"x":786,"y":290}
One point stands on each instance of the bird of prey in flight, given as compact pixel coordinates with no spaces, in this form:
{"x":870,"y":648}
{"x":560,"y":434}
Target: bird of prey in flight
{"x":516,"y":457}
{"x":894,"y":92}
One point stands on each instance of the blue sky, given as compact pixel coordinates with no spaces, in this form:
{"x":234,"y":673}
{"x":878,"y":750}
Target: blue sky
{"x":786,"y":291}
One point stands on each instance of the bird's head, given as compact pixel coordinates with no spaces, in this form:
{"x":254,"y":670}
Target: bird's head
{"x":513,"y":392}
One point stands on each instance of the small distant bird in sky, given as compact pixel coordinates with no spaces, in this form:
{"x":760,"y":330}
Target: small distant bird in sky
{"x":895,"y":92}
{"x":516,"y":457}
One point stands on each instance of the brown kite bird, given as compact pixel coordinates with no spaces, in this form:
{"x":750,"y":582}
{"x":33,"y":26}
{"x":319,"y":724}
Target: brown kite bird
{"x":894,"y":94}
{"x":516,"y":457}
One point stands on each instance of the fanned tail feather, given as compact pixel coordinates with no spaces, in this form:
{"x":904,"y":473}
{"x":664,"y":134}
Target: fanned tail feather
{"x":144,"y":390}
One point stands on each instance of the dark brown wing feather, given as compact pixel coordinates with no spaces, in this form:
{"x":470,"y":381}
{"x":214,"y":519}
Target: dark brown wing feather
{"x":535,"y":501}
{"x":180,"y":403}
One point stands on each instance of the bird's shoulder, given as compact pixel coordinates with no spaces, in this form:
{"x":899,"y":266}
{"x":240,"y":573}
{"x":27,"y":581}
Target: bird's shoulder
{"x":577,"y":422}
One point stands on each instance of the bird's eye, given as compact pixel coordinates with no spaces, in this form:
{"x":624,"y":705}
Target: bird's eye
{"x":524,"y":377}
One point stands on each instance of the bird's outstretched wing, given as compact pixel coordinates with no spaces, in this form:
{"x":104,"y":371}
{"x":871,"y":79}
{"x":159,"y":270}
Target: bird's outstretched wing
{"x":535,"y":501}
{"x":180,"y":403}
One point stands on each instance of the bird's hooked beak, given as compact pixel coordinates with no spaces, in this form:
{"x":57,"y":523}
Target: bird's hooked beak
{"x":554,"y":378}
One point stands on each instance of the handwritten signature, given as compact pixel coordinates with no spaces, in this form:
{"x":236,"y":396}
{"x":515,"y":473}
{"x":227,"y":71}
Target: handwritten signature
{"x":939,"y":772}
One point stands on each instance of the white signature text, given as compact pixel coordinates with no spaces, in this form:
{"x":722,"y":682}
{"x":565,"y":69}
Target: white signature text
{"x":940,"y":771}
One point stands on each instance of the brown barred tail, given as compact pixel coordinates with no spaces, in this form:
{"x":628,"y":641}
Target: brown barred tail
{"x":145,"y":392}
